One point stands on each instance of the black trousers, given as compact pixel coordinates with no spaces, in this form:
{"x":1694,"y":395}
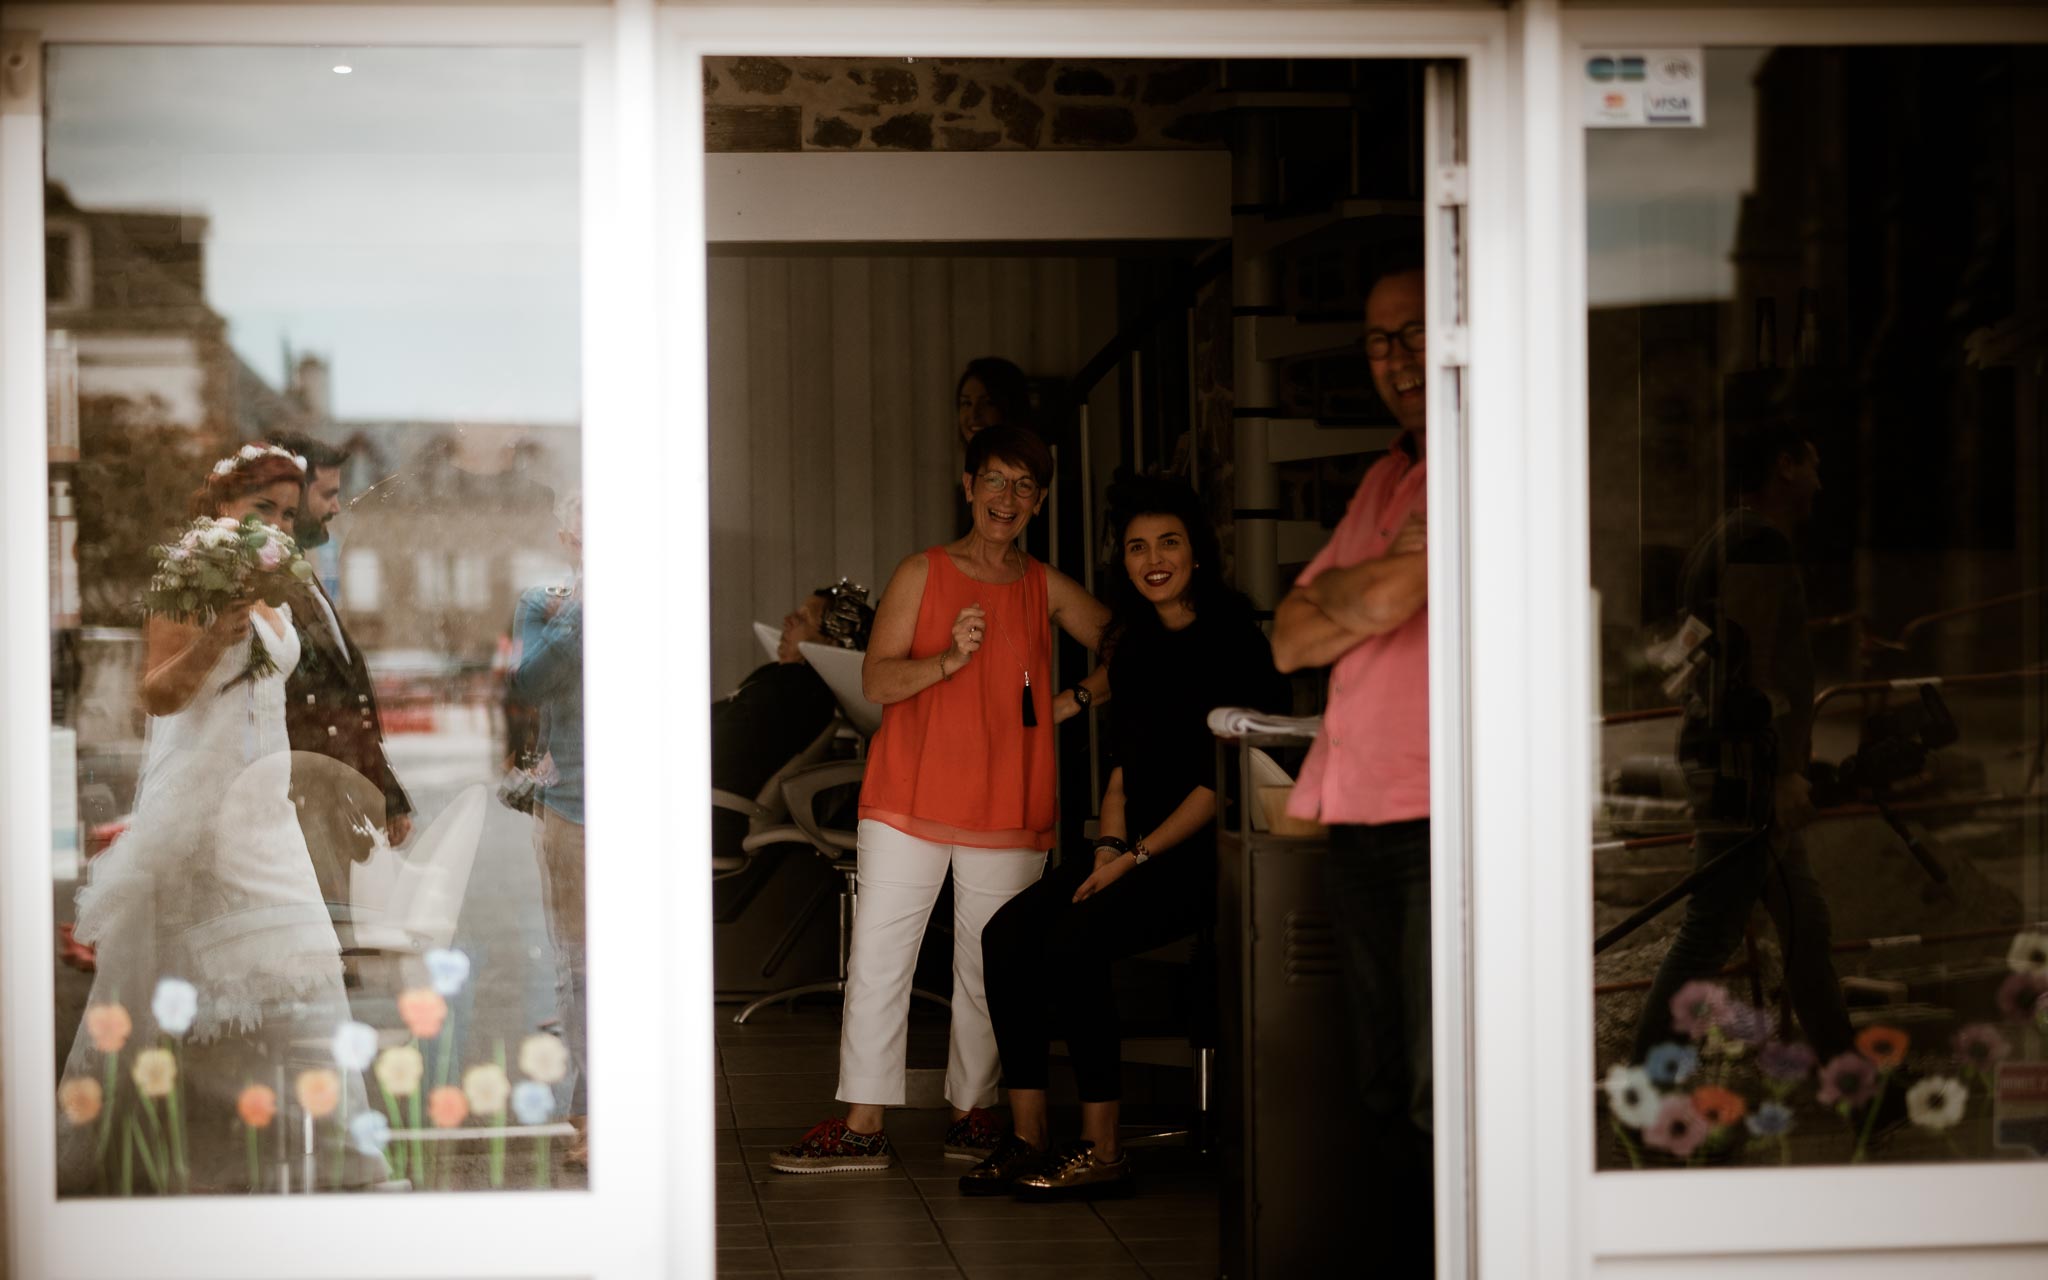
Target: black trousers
{"x":1379,"y":900}
{"x":1046,"y":961}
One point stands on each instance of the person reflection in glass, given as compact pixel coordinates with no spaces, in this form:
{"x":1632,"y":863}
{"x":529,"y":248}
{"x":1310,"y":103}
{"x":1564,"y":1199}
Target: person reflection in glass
{"x":210,"y":885}
{"x":549,"y":676}
{"x":1747,"y":739}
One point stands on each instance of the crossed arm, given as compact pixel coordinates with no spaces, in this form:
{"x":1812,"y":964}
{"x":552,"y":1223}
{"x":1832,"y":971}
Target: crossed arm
{"x":1321,"y":622}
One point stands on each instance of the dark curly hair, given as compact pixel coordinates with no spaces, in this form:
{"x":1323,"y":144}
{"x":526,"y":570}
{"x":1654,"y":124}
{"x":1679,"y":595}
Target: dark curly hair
{"x":1130,"y":613}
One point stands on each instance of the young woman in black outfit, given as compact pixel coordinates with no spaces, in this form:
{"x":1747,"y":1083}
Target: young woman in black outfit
{"x":1178,"y":644}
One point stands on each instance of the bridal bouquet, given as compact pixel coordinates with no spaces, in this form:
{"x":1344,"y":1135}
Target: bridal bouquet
{"x":218,"y":561}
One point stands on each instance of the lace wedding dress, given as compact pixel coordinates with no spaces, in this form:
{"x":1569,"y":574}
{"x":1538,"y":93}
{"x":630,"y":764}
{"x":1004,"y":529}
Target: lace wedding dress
{"x":211,"y":883}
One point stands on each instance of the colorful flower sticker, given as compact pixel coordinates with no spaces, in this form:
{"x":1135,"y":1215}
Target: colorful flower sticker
{"x":1848,"y":1080}
{"x":1698,"y":1006}
{"x":1772,"y":1120}
{"x":1937,"y":1102}
{"x":400,"y":1069}
{"x":319,"y":1092}
{"x":533,"y":1102}
{"x":1980,"y":1047}
{"x":544,"y":1058}
{"x":1885,"y":1046}
{"x":446,"y":1107}
{"x":447,"y":971}
{"x":2029,"y":952}
{"x":486,"y":1088}
{"x":1717,"y":1106}
{"x":154,"y":1073}
{"x":355,"y":1044}
{"x":257,"y":1106}
{"x":1670,"y":1064}
{"x":109,"y":1027}
{"x":369,"y":1132}
{"x":1786,"y":1063}
{"x":423,"y":1011}
{"x":2019,"y":993}
{"x":1631,"y":1096}
{"x":1677,"y":1128}
{"x":80,"y":1099}
{"x":174,"y":1005}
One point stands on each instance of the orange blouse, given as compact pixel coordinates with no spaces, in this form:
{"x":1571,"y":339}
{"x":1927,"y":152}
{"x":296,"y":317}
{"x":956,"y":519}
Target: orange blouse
{"x":956,"y":764}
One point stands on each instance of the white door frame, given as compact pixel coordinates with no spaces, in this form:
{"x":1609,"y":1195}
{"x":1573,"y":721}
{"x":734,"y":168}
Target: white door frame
{"x":651,"y":1195}
{"x":1636,"y":1219}
{"x":1478,"y":38}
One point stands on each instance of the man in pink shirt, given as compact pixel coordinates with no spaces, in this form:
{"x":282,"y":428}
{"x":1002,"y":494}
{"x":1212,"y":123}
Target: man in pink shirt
{"x":1361,"y":607}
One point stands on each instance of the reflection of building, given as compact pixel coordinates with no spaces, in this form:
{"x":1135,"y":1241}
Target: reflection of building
{"x":447,"y":524}
{"x":128,"y":288}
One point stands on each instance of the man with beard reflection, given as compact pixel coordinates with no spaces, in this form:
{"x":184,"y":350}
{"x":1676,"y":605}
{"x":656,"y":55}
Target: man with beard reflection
{"x":342,"y":783}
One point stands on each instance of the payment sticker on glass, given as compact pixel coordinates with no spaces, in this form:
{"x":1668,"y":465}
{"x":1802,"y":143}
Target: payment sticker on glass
{"x":2019,"y":1107}
{"x":1645,"y":88}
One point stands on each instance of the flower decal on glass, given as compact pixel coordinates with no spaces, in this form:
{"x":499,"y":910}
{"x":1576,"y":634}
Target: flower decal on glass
{"x":1670,"y":1064}
{"x":369,"y":1132}
{"x":1848,"y":1080}
{"x":1937,"y":1103}
{"x":544,"y":1058}
{"x":155,"y":1072}
{"x":533,"y":1102}
{"x":109,"y":1026}
{"x":447,"y":971}
{"x":1631,"y":1096}
{"x":1884,"y":1046}
{"x":174,"y":1006}
{"x":1980,"y":1047}
{"x":486,"y":1088}
{"x":2020,"y":992}
{"x":1699,"y":1006}
{"x":400,"y":1069}
{"x":1678,"y":1128}
{"x":423,"y":1011}
{"x":2029,"y":952}
{"x":1772,"y":1120}
{"x":257,"y":1106}
{"x":1786,"y":1064}
{"x":1719,"y":1107}
{"x":355,"y":1044}
{"x":447,"y":1107}
{"x":80,"y":1099}
{"x":319,"y":1092}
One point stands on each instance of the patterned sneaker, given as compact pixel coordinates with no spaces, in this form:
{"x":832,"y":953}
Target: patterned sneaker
{"x":831,"y":1147}
{"x":1073,"y":1173}
{"x":973,"y":1136}
{"x":997,"y":1175}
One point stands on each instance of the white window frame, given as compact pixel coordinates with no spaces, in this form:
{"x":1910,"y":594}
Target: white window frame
{"x":1460,"y":538}
{"x":1634,"y":1221}
{"x":650,"y":1207}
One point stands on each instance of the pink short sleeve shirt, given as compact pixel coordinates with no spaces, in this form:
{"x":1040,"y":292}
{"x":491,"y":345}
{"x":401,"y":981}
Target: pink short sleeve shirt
{"x":1370,"y":763}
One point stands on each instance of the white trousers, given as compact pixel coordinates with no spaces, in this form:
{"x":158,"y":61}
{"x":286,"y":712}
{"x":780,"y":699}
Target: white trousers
{"x":900,"y":877}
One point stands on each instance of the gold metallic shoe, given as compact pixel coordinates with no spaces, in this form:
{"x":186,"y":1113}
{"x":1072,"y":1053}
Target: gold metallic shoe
{"x":1073,"y":1173}
{"x":996,"y":1174}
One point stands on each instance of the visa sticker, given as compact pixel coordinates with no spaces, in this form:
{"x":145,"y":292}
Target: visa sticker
{"x":1645,"y":88}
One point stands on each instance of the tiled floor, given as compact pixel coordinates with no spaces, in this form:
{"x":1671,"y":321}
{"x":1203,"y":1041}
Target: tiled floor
{"x":776,"y":1078}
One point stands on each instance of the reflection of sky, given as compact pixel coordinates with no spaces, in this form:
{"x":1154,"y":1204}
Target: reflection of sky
{"x":414,"y":222}
{"x":1662,"y":204}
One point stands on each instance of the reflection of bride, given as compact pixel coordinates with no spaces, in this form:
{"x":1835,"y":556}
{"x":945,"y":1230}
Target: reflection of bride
{"x":211,"y":882}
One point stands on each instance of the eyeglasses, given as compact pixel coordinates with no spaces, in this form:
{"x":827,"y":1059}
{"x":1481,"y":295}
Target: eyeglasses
{"x":1379,"y":344}
{"x":993,"y":483}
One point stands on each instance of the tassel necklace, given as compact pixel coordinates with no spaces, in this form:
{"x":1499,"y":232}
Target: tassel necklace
{"x":1030,"y":712}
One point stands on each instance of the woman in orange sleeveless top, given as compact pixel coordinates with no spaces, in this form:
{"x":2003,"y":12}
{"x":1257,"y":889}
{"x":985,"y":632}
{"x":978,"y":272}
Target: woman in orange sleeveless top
{"x":960,"y":776}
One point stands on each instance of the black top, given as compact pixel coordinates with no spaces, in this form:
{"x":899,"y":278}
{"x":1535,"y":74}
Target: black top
{"x":1164,"y":684}
{"x":780,"y":709}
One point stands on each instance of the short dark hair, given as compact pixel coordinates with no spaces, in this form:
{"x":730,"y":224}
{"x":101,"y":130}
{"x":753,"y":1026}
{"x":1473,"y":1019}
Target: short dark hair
{"x":1753,"y":452}
{"x":1393,"y":258}
{"x":317,"y":453}
{"x":1015,"y":445}
{"x":1006,"y":385}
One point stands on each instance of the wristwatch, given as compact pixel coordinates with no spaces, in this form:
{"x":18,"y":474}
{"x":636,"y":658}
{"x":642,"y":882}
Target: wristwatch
{"x":1141,"y":853}
{"x":1081,"y":696}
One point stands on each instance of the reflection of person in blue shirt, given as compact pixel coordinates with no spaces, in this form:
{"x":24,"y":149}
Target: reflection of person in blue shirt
{"x":549,"y":677}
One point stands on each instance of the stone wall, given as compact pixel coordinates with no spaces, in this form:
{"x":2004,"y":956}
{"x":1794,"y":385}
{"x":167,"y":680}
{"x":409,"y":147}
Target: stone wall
{"x":958,"y":104}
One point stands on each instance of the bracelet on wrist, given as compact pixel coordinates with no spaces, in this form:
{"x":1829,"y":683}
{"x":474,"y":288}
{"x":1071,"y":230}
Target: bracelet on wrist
{"x":1112,"y":842}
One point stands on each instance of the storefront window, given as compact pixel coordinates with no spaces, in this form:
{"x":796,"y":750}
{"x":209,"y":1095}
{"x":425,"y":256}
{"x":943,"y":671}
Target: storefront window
{"x":315,"y":457}
{"x":1816,"y":345}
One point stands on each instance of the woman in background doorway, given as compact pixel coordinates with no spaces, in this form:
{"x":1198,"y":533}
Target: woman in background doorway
{"x":991,"y":392}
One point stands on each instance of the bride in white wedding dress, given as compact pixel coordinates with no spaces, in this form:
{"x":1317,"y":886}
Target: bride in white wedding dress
{"x":211,"y":882}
